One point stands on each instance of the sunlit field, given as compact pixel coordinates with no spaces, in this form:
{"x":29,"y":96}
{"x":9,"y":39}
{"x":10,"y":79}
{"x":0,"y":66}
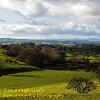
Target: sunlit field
{"x":44,"y":84}
{"x":41,"y":78}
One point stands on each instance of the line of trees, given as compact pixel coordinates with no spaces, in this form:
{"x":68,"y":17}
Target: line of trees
{"x":54,"y":56}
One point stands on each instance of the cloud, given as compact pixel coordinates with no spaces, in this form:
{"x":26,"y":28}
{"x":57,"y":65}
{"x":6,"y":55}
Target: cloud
{"x":50,"y":18}
{"x":9,"y":29}
{"x":82,"y":10}
{"x":26,"y":7}
{"x":57,"y":28}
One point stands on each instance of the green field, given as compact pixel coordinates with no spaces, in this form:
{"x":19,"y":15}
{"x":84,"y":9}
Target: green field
{"x":45,"y":84}
{"x":41,"y":78}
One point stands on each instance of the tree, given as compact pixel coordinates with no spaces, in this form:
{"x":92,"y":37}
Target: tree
{"x":82,"y":85}
{"x":39,"y":55}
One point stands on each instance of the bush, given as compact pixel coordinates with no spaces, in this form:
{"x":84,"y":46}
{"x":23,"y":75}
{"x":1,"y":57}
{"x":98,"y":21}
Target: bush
{"x":81,"y":85}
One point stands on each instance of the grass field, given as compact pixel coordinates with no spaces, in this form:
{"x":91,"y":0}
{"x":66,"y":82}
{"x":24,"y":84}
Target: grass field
{"x":43,"y":84}
{"x":40,"y":78}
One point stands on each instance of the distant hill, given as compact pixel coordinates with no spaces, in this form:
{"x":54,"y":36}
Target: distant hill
{"x":13,"y":41}
{"x":50,"y":41}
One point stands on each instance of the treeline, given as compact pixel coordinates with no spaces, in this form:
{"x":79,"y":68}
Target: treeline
{"x":55,"y":56}
{"x":86,"y":49}
{"x":38,"y":55}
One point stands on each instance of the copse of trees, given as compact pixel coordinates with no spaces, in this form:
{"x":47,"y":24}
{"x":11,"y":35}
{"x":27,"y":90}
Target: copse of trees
{"x":39,"y":55}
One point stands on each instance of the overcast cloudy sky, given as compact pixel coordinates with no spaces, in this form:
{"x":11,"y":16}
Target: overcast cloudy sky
{"x":50,"y":19}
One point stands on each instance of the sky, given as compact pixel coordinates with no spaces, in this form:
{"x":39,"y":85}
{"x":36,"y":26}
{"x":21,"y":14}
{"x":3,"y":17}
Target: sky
{"x":50,"y":19}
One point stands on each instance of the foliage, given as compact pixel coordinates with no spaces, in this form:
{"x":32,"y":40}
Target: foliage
{"x":82,"y":85}
{"x":39,"y":55}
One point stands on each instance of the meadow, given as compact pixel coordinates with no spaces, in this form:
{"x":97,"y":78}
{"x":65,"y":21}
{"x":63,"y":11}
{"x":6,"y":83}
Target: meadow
{"x":41,"y":78}
{"x":44,"y":84}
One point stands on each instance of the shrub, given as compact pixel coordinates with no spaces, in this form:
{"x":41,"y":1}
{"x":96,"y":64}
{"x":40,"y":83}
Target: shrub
{"x":81,"y":85}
